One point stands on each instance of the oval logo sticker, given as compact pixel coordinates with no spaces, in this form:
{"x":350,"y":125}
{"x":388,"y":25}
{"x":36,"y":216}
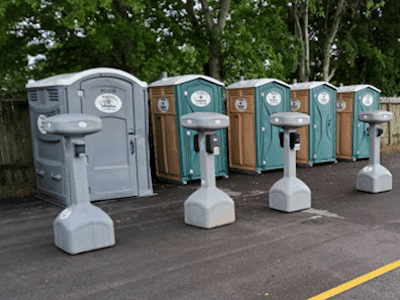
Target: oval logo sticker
{"x":200,"y":98}
{"x":241,"y":104}
{"x":273,"y":98}
{"x":340,"y":105}
{"x":108,"y":103}
{"x":163,"y":104}
{"x":323,"y":98}
{"x":65,"y":213}
{"x":367,"y":100}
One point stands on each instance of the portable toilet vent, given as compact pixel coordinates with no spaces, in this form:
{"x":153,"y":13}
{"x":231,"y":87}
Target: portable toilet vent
{"x":352,"y":134}
{"x":118,"y":163}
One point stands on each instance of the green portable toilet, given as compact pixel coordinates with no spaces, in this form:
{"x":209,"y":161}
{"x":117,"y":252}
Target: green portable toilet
{"x":170,"y":99}
{"x":352,"y":134}
{"x":253,"y":143}
{"x":318,"y":140}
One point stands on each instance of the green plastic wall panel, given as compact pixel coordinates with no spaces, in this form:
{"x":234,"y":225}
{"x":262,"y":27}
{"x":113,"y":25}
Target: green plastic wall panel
{"x":269,"y":99}
{"x":322,"y":128}
{"x":198,"y":96}
{"x":366,"y":99}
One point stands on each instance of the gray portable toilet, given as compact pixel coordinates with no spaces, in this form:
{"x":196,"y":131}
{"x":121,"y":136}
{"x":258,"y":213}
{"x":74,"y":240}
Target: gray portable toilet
{"x":118,"y":163}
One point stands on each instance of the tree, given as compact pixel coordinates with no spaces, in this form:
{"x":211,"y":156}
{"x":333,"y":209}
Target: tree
{"x":316,"y":24}
{"x":108,"y":34}
{"x":257,"y":42}
{"x":248,"y":39}
{"x":369,"y":50}
{"x":331,"y":17}
{"x":300,"y":14}
{"x":14,"y":48}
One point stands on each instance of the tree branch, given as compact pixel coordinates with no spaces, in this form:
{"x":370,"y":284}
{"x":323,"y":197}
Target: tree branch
{"x":295,"y":14}
{"x":192,"y":16}
{"x":207,"y":15}
{"x":331,"y":74}
{"x":307,"y":42}
{"x":331,"y":37}
{"x":223,"y":13}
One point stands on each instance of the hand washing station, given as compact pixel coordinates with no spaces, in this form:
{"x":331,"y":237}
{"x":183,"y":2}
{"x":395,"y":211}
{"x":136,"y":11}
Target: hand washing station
{"x":81,"y":226}
{"x":208,"y":207}
{"x":374,"y":178}
{"x":289,"y":193}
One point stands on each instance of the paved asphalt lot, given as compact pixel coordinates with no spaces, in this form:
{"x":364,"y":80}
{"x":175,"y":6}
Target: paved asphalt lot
{"x":265,"y":254}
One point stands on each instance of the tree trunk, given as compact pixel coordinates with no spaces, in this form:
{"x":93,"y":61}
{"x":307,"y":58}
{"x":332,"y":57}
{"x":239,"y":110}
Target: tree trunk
{"x":215,"y":59}
{"x":215,"y":30}
{"x":330,"y":38}
{"x":302,"y":33}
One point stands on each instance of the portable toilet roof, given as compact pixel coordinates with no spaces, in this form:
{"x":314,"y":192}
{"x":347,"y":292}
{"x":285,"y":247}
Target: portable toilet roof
{"x":176,"y":80}
{"x":255,"y":83}
{"x":310,"y":85}
{"x":356,"y":88}
{"x":69,"y":79}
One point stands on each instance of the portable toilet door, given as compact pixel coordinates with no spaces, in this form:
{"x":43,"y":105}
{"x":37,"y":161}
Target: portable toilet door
{"x":118,"y":155}
{"x":318,"y":141}
{"x":352,"y":134}
{"x":253,"y":143}
{"x":171,"y":98}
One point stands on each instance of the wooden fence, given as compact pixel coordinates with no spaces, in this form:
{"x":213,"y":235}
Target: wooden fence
{"x":390,"y":141}
{"x":17,"y":176}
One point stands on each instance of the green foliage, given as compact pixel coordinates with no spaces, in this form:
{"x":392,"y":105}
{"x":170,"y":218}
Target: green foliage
{"x":258,"y":42}
{"x":14,"y":48}
{"x":372,"y":5}
{"x":146,"y":37}
{"x":369,"y":50}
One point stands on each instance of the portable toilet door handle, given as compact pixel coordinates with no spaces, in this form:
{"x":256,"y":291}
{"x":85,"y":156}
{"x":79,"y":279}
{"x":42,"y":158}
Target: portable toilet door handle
{"x":56,"y":176}
{"x":132,"y":148}
{"x":328,"y":130}
{"x":40,"y":172}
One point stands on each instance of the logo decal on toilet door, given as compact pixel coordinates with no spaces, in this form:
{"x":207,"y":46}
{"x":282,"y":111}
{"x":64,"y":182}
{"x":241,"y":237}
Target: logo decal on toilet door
{"x":200,"y":98}
{"x":323,"y":98}
{"x":108,"y":103}
{"x":163,"y":104}
{"x":241,"y":104}
{"x":367,"y":100}
{"x":274,"y":98}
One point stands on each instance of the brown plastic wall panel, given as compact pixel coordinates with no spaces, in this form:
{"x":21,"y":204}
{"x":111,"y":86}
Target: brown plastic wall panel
{"x":241,"y":132}
{"x":302,"y":155}
{"x":344,"y":126}
{"x":165,"y":134}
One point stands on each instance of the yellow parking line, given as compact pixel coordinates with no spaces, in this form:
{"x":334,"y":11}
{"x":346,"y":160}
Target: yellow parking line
{"x":348,"y":285}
